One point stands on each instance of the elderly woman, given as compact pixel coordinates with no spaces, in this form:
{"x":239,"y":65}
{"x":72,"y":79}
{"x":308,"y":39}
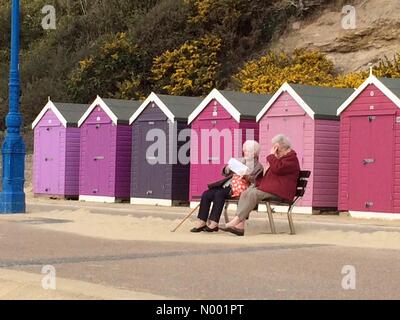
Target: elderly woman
{"x":208,"y":221}
{"x":278,"y":183}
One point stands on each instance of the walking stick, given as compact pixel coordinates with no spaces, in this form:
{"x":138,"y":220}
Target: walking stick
{"x":184,"y":219}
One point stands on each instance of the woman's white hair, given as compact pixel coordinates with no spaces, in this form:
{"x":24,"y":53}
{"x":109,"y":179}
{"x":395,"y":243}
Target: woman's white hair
{"x":252,"y":147}
{"x":282,"y":140}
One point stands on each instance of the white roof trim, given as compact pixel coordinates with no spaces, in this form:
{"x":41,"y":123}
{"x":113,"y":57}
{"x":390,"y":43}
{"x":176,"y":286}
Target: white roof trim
{"x":49,"y":106}
{"x":98,"y":102}
{"x":152,"y":98}
{"x":370,"y":80}
{"x":286,"y":88}
{"x":215,"y":94}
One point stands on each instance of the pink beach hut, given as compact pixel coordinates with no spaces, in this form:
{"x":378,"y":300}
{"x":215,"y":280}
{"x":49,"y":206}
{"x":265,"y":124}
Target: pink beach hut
{"x":106,"y":143}
{"x":56,"y":150}
{"x":220,"y":125}
{"x":369,"y":172}
{"x":307,"y":115}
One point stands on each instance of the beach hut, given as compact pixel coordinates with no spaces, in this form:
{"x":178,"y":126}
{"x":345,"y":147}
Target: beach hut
{"x":106,"y":143}
{"x":161,"y":175}
{"x":220,"y":125}
{"x":369,"y":175}
{"x":307,"y":115}
{"x":56,"y":150}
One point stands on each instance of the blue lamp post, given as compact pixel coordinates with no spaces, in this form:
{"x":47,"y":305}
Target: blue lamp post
{"x":12,"y":197}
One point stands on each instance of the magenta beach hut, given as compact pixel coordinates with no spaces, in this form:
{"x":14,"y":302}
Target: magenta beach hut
{"x":307,"y":115}
{"x":369,"y":175}
{"x":160,"y":150}
{"x":106,"y":143}
{"x":220,"y":125}
{"x":56,"y":150}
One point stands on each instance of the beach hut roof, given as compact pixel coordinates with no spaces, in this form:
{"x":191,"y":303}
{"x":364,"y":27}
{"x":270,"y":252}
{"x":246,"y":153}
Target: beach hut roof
{"x":174,"y":107}
{"x":118,"y":110}
{"x":238,"y":104}
{"x":317,"y":102}
{"x":390,"y":87}
{"x":68,"y":113}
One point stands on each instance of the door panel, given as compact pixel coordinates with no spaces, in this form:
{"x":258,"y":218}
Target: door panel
{"x":293,"y":128}
{"x":215,"y":160}
{"x":49,"y":160}
{"x":152,"y":176}
{"x":102,"y":158}
{"x":371,"y":163}
{"x":91,"y":168}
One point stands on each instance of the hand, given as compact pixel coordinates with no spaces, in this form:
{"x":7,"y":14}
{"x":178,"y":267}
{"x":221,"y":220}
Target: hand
{"x":274,"y":149}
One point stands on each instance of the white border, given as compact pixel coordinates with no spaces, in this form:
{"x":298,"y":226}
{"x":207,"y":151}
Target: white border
{"x":155,"y":202}
{"x":98,"y":102}
{"x":285,"y":88}
{"x":215,"y":94}
{"x":49,"y":106}
{"x":374,"y":215}
{"x":370,"y":80}
{"x":153,"y":98}
{"x":232,"y":206}
{"x":284,"y":209}
{"x":194,"y":204}
{"x":97,"y":199}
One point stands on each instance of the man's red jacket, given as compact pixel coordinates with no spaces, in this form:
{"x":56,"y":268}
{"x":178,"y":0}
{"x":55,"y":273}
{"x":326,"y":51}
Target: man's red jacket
{"x":281,"y":177}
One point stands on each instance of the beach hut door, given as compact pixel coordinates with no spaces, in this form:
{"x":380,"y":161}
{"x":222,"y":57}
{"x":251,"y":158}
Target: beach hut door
{"x":49,"y":160}
{"x":153,"y":163}
{"x":98,"y":153}
{"x":371,"y":163}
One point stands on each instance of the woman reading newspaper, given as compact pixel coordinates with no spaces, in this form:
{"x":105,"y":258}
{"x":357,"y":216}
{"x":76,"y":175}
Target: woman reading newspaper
{"x":239,"y":175}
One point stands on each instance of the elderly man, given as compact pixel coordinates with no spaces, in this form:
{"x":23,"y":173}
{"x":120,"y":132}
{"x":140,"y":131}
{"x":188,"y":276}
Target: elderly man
{"x":278,"y":183}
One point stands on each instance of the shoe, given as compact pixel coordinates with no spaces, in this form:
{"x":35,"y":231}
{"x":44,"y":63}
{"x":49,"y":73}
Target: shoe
{"x":208,"y":229}
{"x":238,"y":232}
{"x":199,"y":229}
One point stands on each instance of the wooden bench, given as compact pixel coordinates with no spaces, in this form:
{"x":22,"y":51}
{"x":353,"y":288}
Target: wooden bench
{"x":300,"y":190}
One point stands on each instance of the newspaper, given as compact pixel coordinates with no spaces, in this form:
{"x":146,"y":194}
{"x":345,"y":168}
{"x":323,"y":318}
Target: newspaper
{"x":237,"y":167}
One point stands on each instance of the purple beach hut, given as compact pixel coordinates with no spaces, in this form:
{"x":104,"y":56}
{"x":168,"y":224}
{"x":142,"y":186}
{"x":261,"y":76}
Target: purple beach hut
{"x":106,"y":144}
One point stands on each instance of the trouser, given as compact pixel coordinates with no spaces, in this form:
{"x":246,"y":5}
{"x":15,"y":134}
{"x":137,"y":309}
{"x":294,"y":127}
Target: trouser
{"x":216,"y":197}
{"x":249,"y":199}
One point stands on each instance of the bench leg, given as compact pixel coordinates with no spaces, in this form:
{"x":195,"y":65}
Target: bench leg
{"x":226,"y":213}
{"x":291,"y":225}
{"x":271,"y":218}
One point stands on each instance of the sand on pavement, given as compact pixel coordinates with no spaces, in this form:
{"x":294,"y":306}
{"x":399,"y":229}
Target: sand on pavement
{"x":149,"y":228}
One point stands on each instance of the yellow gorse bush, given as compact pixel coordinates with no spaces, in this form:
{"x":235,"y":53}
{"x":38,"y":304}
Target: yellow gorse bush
{"x":269,"y":72}
{"x":189,"y":70}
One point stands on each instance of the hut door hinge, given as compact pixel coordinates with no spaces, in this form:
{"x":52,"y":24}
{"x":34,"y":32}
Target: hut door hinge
{"x":368,"y":161}
{"x":369,"y":204}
